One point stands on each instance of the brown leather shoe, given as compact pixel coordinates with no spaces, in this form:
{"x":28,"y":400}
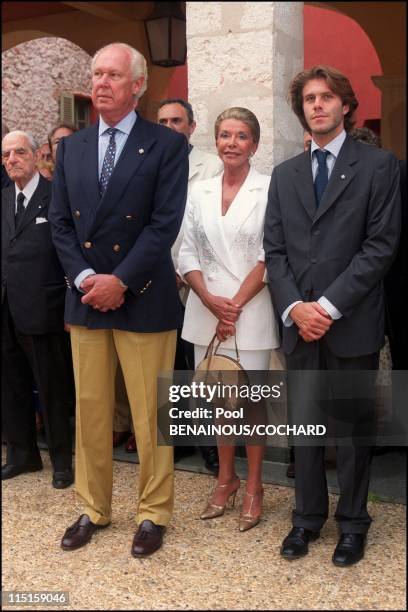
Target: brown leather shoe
{"x":119,"y":437}
{"x":148,"y":538}
{"x":80,"y":533}
{"x":130,"y":446}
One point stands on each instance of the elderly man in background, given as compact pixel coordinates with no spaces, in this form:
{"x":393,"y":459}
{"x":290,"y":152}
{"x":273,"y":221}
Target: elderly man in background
{"x":177,"y":114}
{"x":5,"y":181}
{"x":119,"y":194}
{"x":34,"y":347}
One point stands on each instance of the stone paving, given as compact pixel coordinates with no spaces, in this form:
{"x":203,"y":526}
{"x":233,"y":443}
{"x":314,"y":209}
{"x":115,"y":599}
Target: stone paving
{"x":203,"y":565}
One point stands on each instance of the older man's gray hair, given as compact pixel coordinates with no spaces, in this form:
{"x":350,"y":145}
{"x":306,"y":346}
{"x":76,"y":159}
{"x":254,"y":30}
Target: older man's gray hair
{"x":32,"y":142}
{"x":138,"y":66}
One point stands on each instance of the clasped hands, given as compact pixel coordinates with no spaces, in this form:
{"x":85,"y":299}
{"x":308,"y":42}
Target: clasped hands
{"x":103,"y":292}
{"x":311,"y":319}
{"x":227,"y":313}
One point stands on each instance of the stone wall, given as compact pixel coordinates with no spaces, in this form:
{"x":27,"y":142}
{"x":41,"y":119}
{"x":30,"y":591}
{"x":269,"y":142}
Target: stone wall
{"x":34,"y":74}
{"x":244,"y":54}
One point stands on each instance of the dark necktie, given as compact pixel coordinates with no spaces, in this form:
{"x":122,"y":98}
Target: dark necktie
{"x":322,"y":176}
{"x":108,"y":161}
{"x":20,"y":207}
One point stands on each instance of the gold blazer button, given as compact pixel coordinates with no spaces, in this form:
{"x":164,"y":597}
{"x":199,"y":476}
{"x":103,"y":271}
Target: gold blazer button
{"x":87,"y":244}
{"x":116,"y":248}
{"x":77,"y":213}
{"x":129,"y":217}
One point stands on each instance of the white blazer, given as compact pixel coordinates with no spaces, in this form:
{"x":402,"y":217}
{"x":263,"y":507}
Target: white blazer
{"x":225,"y":249}
{"x":201,"y":166}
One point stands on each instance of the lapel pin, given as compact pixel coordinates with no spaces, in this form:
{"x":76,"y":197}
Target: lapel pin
{"x":343,"y":176}
{"x":141,"y":151}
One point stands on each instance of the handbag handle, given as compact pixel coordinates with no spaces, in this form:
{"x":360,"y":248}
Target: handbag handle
{"x":210,"y":353}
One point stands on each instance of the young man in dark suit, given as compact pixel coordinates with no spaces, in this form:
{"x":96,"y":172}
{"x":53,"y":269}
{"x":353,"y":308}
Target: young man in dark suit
{"x":35,"y":346}
{"x":331,"y":232}
{"x":119,"y":194}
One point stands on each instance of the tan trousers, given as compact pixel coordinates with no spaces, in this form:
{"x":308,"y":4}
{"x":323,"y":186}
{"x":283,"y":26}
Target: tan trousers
{"x":95,"y":356}
{"x":122,"y":419}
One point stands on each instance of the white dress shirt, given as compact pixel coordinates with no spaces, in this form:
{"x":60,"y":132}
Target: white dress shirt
{"x":333,"y":147}
{"x":28,"y":190}
{"x":124,"y":127}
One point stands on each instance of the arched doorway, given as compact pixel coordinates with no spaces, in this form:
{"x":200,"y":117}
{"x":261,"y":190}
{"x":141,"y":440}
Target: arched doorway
{"x":36,"y":76}
{"x":90,"y":26}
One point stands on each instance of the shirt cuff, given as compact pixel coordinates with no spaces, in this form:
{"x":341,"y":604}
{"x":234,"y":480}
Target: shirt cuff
{"x":329,"y":308}
{"x":287,"y":321}
{"x":81,"y":277}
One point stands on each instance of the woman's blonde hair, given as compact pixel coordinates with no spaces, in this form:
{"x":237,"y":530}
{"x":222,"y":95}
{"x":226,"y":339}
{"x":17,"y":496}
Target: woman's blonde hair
{"x":240,"y":114}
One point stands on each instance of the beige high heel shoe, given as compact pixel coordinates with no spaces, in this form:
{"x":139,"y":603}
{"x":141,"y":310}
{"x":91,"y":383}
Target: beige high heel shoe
{"x":213,"y":510}
{"x":248,"y":519}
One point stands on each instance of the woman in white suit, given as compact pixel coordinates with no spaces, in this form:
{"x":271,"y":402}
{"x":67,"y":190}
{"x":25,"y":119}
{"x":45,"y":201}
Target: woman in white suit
{"x":222,"y":259}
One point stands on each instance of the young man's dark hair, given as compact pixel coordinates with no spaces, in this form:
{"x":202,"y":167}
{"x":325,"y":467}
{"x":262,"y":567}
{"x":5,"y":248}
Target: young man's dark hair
{"x":338,"y":83}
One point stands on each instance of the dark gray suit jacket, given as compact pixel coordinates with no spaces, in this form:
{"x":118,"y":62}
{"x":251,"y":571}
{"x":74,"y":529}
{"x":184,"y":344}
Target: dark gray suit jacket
{"x":32,"y":276}
{"x":342,"y":249}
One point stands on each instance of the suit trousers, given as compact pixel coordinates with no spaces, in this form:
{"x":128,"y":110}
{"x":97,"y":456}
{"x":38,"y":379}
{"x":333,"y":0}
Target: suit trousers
{"x":353,"y":461}
{"x":122,"y":419}
{"x":44,"y":359}
{"x":142,"y":356}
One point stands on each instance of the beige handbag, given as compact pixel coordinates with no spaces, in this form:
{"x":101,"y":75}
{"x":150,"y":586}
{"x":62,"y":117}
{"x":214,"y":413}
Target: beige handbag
{"x":216,"y":368}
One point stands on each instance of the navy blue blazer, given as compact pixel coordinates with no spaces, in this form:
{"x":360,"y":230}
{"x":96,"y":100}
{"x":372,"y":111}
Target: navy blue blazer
{"x":129,"y":232}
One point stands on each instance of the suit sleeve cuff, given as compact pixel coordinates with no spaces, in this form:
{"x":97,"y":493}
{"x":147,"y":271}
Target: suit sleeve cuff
{"x":329,"y":308}
{"x":82,"y":276}
{"x":287,"y":321}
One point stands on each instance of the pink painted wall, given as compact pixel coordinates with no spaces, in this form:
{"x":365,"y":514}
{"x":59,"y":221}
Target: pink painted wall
{"x":178,"y":83}
{"x":334,"y":39}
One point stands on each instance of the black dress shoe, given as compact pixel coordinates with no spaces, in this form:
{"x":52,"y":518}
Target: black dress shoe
{"x":183,"y":451}
{"x":295,"y":545}
{"x":119,"y":437}
{"x":290,"y":472}
{"x":62,"y":479}
{"x":80,"y":533}
{"x":148,"y":538}
{"x":349,"y":549}
{"x":210,"y":456}
{"x":10,"y":470}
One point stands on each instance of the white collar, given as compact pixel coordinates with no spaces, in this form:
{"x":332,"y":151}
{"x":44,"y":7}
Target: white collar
{"x":125,"y":125}
{"x":332,"y":147}
{"x":31,"y":186}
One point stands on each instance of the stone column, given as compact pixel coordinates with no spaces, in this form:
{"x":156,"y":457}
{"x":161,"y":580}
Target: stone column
{"x":245,"y":54}
{"x":394,"y":113}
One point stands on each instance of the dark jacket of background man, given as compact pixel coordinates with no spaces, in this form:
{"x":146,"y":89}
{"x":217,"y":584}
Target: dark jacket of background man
{"x":35,"y":346}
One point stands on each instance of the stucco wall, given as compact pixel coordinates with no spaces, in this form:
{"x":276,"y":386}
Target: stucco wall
{"x":35,"y":74}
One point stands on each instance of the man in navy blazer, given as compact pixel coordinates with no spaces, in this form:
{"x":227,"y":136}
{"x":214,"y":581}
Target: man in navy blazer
{"x":331,"y":232}
{"x":118,"y":200}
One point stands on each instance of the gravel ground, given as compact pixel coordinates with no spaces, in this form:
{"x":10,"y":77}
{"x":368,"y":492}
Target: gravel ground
{"x":203,"y":565}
